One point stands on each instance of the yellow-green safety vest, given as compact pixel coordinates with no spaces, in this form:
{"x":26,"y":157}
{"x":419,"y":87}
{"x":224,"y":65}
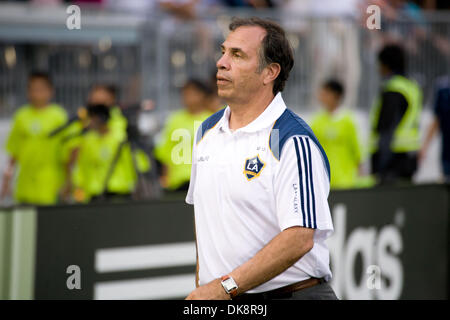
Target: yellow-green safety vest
{"x":406,"y":136}
{"x":338,"y":135}
{"x":96,"y":157}
{"x":174,"y":144}
{"x":40,"y":171}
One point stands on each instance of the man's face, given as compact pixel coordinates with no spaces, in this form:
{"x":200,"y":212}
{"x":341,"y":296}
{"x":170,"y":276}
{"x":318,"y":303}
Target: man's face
{"x":96,"y":123}
{"x":193,"y":98}
{"x":383,"y":70}
{"x":328,"y":99}
{"x":39,"y":92}
{"x":238,"y":78}
{"x":101,"y":96}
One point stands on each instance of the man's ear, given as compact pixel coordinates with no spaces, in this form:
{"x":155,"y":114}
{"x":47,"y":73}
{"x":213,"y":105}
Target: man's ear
{"x":271,"y":73}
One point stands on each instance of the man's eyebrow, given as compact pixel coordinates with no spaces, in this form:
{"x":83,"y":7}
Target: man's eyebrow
{"x":222,"y":47}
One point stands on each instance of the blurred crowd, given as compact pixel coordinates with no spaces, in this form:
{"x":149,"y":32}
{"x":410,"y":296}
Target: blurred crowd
{"x":394,"y":148}
{"x":427,"y":4}
{"x":61,"y":159}
{"x":94,"y":155}
{"x":98,"y":154}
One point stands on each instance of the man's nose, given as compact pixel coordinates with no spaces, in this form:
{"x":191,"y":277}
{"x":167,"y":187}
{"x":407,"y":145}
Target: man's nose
{"x":222,"y":63}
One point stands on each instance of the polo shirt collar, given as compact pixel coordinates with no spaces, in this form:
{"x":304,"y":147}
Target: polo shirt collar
{"x":273,"y":111}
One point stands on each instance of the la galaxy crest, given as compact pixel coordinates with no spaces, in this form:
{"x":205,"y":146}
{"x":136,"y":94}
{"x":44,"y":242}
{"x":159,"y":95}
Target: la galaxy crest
{"x":253,"y":167}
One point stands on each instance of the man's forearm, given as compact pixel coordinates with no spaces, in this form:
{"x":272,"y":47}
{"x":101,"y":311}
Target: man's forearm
{"x":11,"y":163}
{"x":385,"y":152}
{"x":7,"y":177}
{"x":433,"y":128}
{"x":277,"y":256}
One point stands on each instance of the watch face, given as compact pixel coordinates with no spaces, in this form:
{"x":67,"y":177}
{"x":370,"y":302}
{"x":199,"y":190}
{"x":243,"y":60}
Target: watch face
{"x":229,"y":284}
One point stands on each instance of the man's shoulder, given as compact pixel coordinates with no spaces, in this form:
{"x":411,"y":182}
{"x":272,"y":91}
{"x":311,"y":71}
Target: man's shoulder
{"x":177,"y":116}
{"x":287,"y":126}
{"x":347,"y":116}
{"x":212,"y":120}
{"x":57,"y":110}
{"x":115,"y":111}
{"x":209,"y":123}
{"x":93,"y":139}
{"x":401,"y":84}
{"x":319,"y":117}
{"x":23,"y":111}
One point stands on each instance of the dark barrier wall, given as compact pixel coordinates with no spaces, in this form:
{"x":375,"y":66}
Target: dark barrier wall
{"x":72,"y":236}
{"x":396,"y":235}
{"x":389,"y":243}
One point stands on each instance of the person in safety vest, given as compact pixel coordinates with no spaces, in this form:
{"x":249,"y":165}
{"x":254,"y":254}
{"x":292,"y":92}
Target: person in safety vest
{"x":337,"y":132}
{"x":103,"y":165}
{"x":32,"y":151}
{"x":394,"y":137}
{"x":173,"y":149}
{"x":104,"y":94}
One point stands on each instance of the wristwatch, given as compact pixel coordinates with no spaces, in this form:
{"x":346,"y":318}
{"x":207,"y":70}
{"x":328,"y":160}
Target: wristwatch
{"x":229,"y":285}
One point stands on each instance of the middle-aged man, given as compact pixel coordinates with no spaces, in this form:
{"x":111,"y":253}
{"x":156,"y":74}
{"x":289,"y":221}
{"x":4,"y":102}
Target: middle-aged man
{"x":259,"y":180}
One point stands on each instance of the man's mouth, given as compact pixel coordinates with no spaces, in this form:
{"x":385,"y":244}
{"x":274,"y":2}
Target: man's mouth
{"x":222,"y":80}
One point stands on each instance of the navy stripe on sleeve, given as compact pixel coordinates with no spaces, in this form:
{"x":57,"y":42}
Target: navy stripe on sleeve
{"x":299,"y":164}
{"x":305,"y":165}
{"x":312,"y":185}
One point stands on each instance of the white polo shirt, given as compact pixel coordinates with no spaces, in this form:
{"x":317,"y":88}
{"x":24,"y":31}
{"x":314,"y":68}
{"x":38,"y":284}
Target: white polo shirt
{"x":250,"y":184}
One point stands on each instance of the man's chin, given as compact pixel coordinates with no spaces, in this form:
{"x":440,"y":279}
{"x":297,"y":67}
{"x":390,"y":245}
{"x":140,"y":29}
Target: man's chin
{"x":224,"y":93}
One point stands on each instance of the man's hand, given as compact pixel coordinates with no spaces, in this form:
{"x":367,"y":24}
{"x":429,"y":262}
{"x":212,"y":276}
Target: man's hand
{"x":421,"y":155}
{"x":210,"y":291}
{"x":6,"y":182}
{"x":5,"y":189}
{"x":66,"y":192}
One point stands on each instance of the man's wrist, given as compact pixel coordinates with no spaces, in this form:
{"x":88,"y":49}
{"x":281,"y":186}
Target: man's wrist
{"x":8,"y":172}
{"x":229,"y":285}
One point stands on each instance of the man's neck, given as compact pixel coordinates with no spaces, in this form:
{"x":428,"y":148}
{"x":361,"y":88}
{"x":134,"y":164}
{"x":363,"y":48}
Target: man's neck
{"x":194,"y":111}
{"x":39,"y":106}
{"x":333,"y":109}
{"x":244,"y":113}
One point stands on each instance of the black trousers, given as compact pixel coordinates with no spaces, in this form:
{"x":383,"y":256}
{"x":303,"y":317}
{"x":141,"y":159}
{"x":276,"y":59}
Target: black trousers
{"x":401,"y":168}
